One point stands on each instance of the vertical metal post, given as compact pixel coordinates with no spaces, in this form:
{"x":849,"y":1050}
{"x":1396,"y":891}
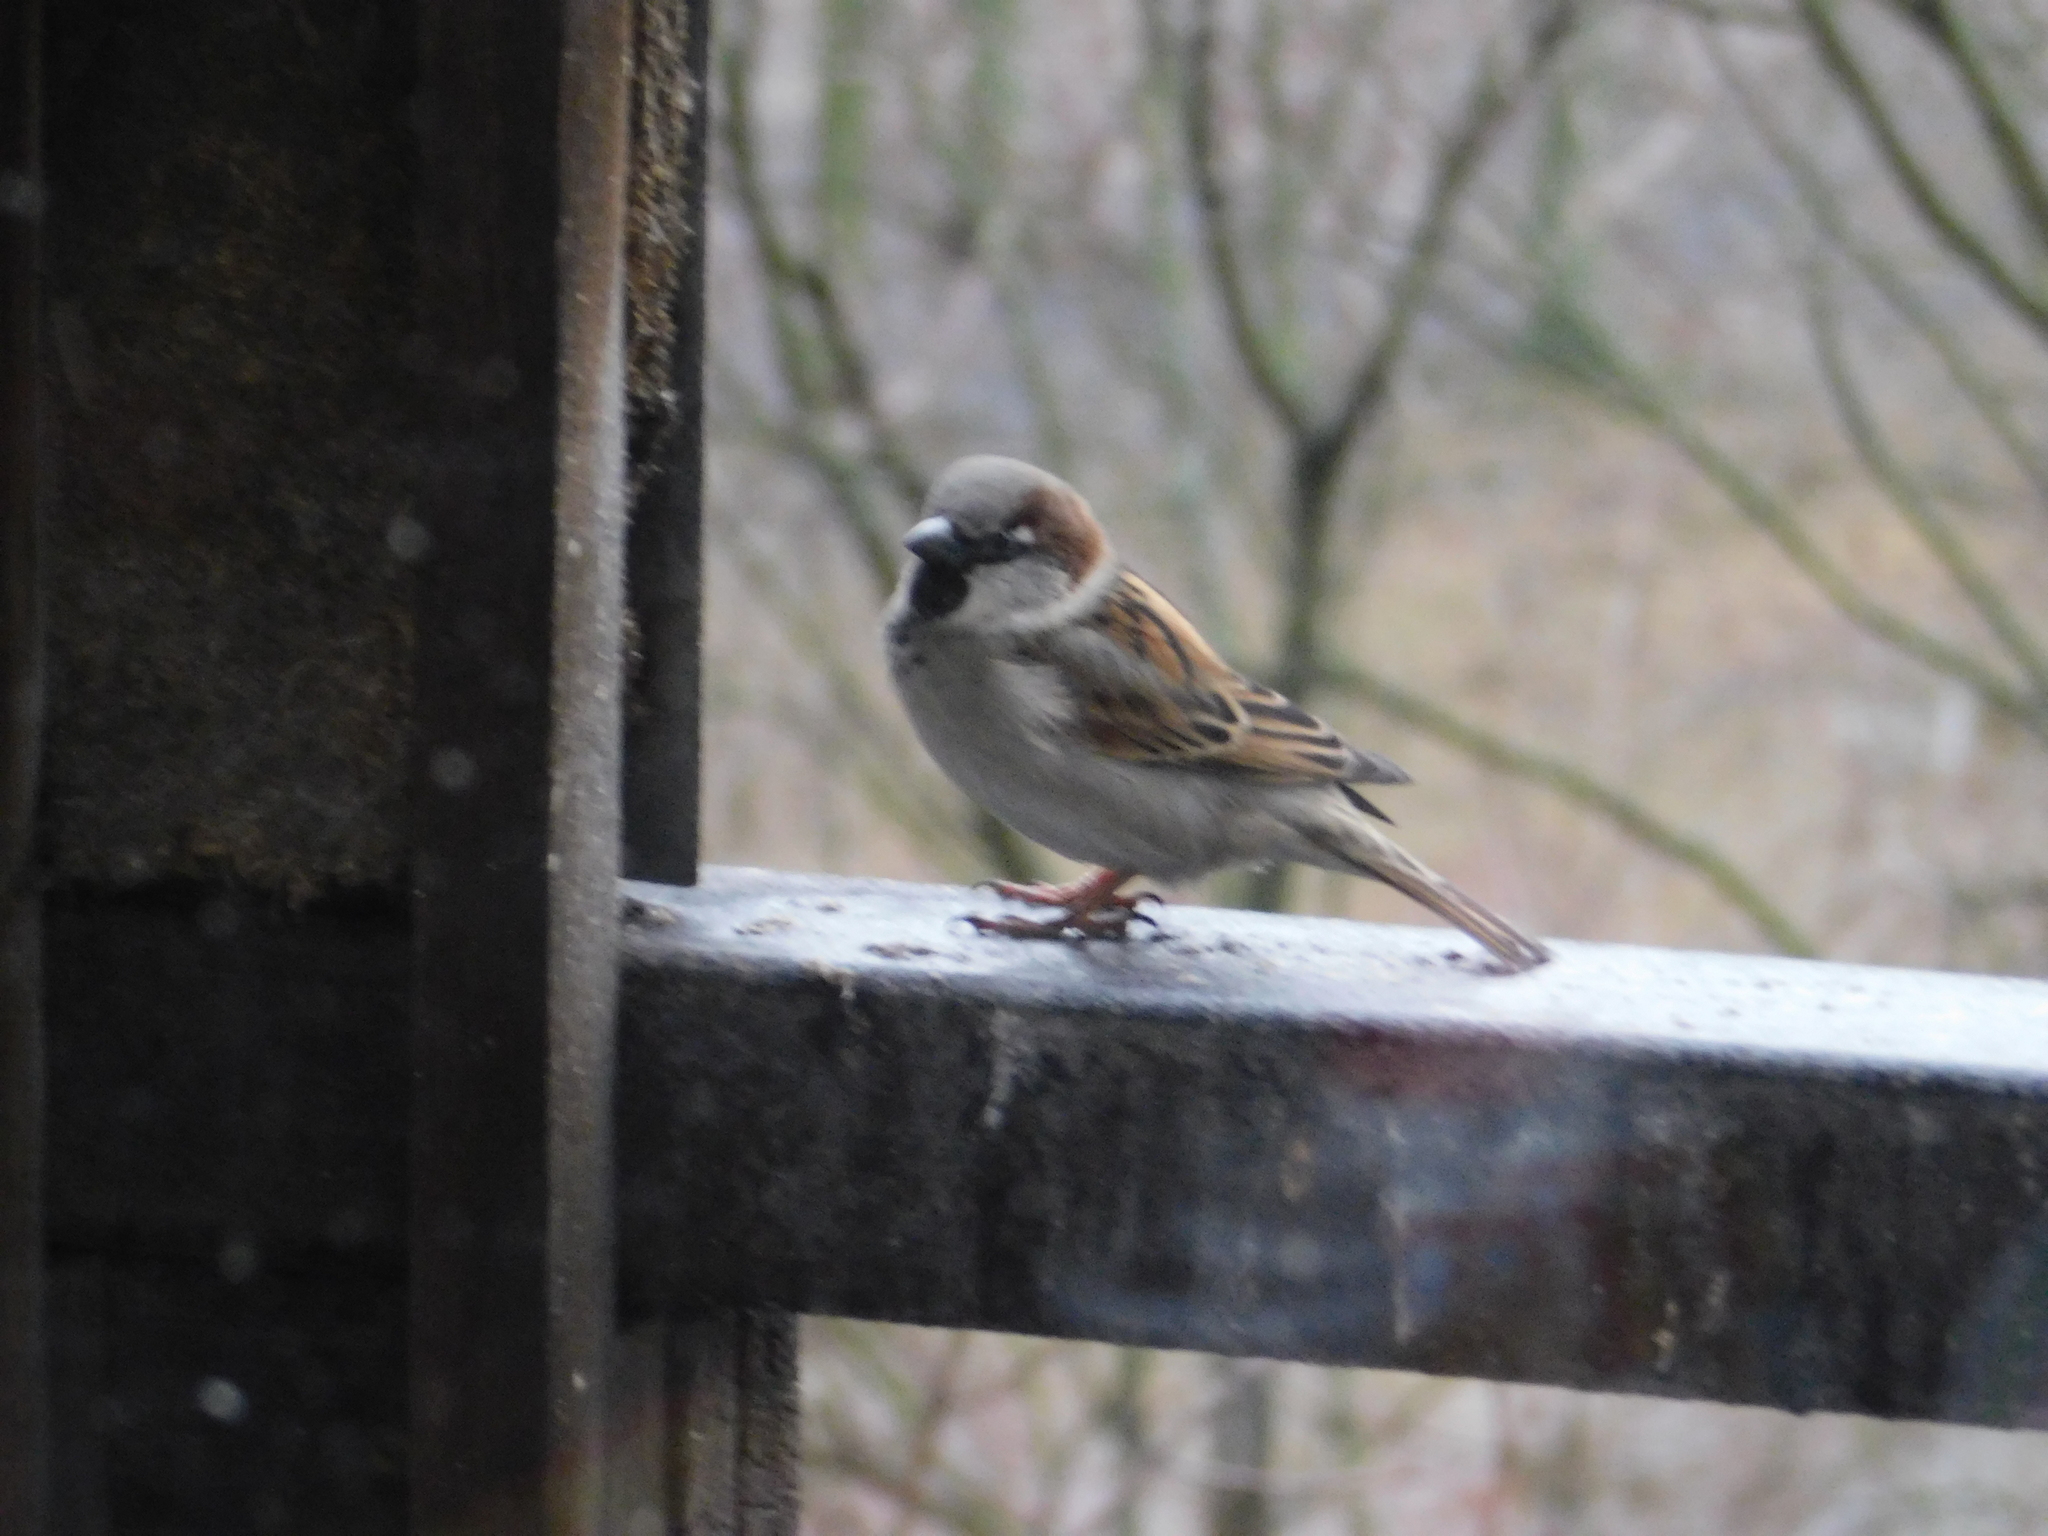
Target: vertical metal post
{"x":524,"y":275}
{"x":585,"y":755}
{"x":732,"y":1380}
{"x":730,"y":1384}
{"x":23,"y":1427}
{"x":665,"y":554}
{"x":520,"y":258}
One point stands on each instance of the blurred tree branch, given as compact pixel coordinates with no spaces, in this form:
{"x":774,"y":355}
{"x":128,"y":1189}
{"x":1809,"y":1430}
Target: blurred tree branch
{"x":1914,"y":179}
{"x":1574,"y":784}
{"x":1634,"y":394}
{"x":1564,"y":337}
{"x":1320,"y":441}
{"x":1725,"y":13}
{"x":1911,"y":500}
{"x":1952,"y":32}
{"x":1321,"y":436}
{"x":934,"y":1404}
{"x":1992,"y":404}
{"x":958,"y":1509}
{"x":803,"y":283}
{"x":1198,"y":124}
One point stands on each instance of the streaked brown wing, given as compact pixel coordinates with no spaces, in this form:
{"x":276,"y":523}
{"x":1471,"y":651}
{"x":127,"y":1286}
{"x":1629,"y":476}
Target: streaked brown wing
{"x":1157,"y":692}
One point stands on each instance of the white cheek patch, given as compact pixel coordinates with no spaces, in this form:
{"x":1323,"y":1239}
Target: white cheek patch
{"x":1025,"y":535}
{"x":999,"y":596}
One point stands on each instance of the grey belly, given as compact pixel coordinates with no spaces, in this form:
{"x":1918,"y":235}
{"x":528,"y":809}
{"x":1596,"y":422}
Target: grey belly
{"x":1163,"y":822}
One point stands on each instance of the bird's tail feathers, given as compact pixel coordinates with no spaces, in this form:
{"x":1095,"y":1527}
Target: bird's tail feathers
{"x":1366,"y":852}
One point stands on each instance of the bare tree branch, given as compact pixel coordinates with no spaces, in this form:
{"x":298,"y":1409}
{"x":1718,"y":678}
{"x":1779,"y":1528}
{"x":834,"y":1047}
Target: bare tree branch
{"x":1580,"y":788}
{"x":936,"y":1402}
{"x":1762,"y":17}
{"x":1198,"y":126}
{"x":874,"y":533}
{"x":1860,"y":426}
{"x":962,"y":1510}
{"x":1993,"y":406}
{"x":1913,"y":178}
{"x":1775,"y":520}
{"x":1579,"y":350}
{"x":1488,"y":105}
{"x":1952,"y":32}
{"x":1991,"y":403}
{"x":790,"y":273}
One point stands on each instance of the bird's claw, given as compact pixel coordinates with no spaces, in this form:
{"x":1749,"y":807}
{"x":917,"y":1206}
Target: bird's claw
{"x":1092,"y":909}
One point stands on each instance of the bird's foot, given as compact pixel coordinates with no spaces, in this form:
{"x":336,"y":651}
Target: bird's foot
{"x":1091,"y":893}
{"x":1093,"y":909}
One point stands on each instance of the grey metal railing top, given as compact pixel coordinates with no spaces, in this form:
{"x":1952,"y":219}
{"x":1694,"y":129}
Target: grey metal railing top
{"x":1816,"y":1186}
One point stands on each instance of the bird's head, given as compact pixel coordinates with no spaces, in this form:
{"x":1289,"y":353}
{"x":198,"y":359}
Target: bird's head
{"x":1003,"y":545}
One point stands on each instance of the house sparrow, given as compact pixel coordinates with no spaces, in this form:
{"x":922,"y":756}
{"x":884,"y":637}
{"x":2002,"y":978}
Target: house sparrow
{"x":1074,"y":702}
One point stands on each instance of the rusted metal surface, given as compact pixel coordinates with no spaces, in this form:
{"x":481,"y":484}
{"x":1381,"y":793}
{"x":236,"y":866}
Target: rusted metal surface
{"x":1764,"y":1181}
{"x":23,"y":1428}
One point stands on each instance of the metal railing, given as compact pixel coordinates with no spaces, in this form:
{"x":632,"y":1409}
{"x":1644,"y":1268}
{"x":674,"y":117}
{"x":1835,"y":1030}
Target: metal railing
{"x":1696,"y":1175}
{"x":1713,"y":1176}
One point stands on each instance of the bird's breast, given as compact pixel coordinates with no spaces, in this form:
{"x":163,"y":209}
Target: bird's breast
{"x":1003,"y":730}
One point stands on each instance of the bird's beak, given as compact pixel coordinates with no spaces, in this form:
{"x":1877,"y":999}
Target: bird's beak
{"x":935,"y":542}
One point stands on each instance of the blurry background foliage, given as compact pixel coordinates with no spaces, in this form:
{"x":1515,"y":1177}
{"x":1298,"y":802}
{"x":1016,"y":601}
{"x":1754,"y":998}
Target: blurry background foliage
{"x":1632,"y":417}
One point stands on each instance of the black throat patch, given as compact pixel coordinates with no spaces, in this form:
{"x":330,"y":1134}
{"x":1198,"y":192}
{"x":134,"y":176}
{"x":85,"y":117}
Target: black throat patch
{"x":937,"y":590}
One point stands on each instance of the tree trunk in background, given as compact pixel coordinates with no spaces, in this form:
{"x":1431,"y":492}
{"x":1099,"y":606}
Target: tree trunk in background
{"x":1243,"y":1427}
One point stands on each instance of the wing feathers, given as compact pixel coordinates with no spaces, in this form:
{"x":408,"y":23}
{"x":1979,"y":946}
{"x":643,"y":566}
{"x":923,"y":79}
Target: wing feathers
{"x":1148,"y":688}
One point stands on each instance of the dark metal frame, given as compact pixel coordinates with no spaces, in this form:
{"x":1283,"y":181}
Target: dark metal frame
{"x":23,"y":1436}
{"x":1765,"y":1182}
{"x":524,"y":1389}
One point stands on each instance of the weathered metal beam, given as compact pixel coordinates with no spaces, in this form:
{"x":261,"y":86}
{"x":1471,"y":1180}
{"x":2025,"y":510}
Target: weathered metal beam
{"x":1697,"y":1175}
{"x":23,"y":1427}
{"x":522,"y":177}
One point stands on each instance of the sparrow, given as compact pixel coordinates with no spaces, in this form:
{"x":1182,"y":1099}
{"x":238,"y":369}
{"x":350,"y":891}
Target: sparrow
{"x":1063,"y":693}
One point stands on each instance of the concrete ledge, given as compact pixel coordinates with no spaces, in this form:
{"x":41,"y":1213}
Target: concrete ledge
{"x":1765,"y":1181}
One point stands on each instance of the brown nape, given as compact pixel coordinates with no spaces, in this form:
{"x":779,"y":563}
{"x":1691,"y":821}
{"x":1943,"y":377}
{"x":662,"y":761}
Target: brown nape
{"x":1066,"y":529}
